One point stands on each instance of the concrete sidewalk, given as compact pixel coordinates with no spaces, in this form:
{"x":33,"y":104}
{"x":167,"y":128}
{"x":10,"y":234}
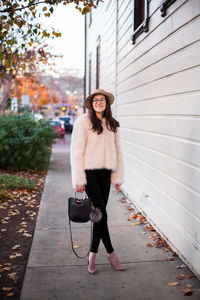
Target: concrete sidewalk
{"x":54,"y":272}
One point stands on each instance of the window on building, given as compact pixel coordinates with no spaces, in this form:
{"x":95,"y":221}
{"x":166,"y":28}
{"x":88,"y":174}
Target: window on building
{"x":98,"y":63}
{"x":164,"y":5}
{"x":90,"y":75}
{"x":140,"y":18}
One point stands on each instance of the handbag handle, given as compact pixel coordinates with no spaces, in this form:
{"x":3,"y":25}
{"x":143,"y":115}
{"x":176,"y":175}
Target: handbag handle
{"x":72,"y":244}
{"x":84,"y":193}
{"x":70,"y":229}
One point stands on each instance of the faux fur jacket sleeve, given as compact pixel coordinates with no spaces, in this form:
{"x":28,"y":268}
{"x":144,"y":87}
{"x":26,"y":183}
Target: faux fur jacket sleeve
{"x":118,"y":174}
{"x":77,"y":150}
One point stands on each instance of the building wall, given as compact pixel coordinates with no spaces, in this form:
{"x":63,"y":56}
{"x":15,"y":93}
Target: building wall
{"x":156,"y":82}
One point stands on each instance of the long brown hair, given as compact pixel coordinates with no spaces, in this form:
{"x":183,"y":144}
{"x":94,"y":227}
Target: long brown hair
{"x":111,"y":123}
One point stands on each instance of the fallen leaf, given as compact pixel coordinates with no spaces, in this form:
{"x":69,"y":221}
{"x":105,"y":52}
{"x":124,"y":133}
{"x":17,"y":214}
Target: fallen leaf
{"x":10,"y":294}
{"x":189,"y":276}
{"x":149,"y":245}
{"x":18,"y":254}
{"x":27,"y":234}
{"x":133,"y":224}
{"x":167,"y":249}
{"x":122,"y":199}
{"x":7,"y":269}
{"x":15,"y":247}
{"x":134,"y":216}
{"x":187,"y":292}
{"x":6,"y":288}
{"x":12,"y":256}
{"x":76,"y":247}
{"x":45,"y":229}
{"x":13,"y":276}
{"x":172,"y":283}
{"x":189,"y":286}
{"x":180,"y":276}
{"x":169,"y":258}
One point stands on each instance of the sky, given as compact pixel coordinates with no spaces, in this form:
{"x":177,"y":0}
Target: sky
{"x":70,"y":22}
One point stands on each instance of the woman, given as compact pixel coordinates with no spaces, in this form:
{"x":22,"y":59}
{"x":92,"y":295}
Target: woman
{"x":96,"y":162}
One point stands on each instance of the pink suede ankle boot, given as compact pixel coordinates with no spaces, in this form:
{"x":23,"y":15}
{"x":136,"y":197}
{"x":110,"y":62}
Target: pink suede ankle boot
{"x":115,"y":263}
{"x":91,"y":263}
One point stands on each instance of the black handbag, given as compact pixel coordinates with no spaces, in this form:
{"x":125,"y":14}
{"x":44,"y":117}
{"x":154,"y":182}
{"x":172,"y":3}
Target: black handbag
{"x":79,"y":209}
{"x":79,"y":212}
{"x":82,"y":211}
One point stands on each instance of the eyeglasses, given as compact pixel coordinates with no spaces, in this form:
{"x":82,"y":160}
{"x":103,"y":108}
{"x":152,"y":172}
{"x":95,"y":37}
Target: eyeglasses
{"x":95,"y":101}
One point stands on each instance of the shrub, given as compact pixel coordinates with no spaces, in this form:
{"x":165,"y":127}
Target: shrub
{"x":24,"y":143}
{"x":15,"y":182}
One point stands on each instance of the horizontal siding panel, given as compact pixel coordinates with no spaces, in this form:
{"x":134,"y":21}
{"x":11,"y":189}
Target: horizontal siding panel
{"x":188,"y":221}
{"x":177,"y":238}
{"x":180,"y":127}
{"x":169,"y":166}
{"x":127,"y":26}
{"x":181,"y":60}
{"x":125,"y":43}
{"x":168,"y":46}
{"x":149,"y":39}
{"x":159,"y":29}
{"x":182,"y":104}
{"x":184,"y":14}
{"x":184,"y":150}
{"x":177,"y":83}
{"x":123,"y":6}
{"x":109,"y":78}
{"x":128,"y":14}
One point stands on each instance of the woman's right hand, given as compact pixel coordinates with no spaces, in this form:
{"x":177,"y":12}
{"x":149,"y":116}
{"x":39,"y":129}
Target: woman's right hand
{"x":80,"y":189}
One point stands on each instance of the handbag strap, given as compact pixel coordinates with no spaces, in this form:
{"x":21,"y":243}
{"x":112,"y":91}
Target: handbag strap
{"x":71,"y":237}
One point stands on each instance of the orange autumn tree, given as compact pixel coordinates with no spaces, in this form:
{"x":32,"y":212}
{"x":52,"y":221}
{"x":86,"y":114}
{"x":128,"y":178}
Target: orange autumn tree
{"x":21,"y":78}
{"x":39,"y":93}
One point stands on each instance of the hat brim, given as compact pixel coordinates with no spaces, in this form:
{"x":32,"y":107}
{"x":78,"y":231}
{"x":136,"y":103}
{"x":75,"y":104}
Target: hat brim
{"x":110,"y":96}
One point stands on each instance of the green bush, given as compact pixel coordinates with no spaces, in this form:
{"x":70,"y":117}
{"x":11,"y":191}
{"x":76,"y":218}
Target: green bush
{"x":15,"y":182}
{"x":24,"y":143}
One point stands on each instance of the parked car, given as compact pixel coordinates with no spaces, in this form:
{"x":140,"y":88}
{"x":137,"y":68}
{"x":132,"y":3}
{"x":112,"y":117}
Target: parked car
{"x":38,"y":116}
{"x":67,"y":123}
{"x":59,"y":131}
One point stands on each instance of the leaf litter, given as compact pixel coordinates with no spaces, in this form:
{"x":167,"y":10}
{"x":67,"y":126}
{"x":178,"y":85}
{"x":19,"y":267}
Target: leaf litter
{"x":18,"y":213}
{"x":159,"y":242}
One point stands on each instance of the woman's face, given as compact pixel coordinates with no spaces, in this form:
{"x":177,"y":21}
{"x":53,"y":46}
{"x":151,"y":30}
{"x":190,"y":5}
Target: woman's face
{"x":99,"y":103}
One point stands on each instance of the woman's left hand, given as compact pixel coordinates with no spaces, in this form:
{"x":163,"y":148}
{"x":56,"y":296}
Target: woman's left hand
{"x":117,"y":187}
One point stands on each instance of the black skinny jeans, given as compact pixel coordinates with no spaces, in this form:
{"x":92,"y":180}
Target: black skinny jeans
{"x":98,"y":188}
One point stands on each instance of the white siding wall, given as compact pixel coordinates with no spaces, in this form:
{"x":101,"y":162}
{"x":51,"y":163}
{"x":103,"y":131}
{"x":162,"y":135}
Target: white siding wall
{"x":103,"y":25}
{"x":157,"y":86}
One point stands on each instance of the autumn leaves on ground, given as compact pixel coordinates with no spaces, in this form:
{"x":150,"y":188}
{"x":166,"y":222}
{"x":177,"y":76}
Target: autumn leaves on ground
{"x":25,"y":148}
{"x":135,"y":219}
{"x":19,"y":204}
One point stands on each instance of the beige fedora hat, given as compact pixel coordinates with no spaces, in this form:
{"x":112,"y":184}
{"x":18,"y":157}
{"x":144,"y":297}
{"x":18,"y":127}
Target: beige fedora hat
{"x":110,"y":96}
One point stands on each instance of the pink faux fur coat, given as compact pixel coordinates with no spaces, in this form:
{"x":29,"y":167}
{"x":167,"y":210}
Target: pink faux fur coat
{"x":91,"y":151}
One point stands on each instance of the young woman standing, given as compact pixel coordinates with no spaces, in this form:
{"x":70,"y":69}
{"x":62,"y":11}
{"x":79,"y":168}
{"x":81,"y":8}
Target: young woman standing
{"x":96,"y":162}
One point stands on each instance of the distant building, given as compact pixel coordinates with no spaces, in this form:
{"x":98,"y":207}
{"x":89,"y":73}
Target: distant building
{"x":148,"y":54}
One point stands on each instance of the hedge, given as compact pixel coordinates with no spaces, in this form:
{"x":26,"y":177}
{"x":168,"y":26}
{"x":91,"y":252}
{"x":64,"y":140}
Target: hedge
{"x":24,"y":143}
